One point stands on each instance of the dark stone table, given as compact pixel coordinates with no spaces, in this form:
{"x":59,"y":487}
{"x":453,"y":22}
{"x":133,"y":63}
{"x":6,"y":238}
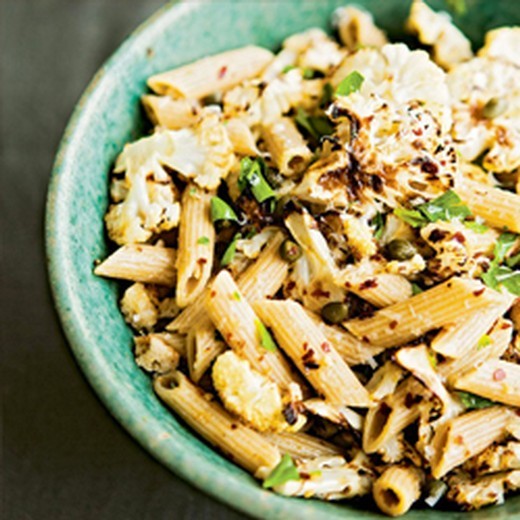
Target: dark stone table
{"x":63,"y":456}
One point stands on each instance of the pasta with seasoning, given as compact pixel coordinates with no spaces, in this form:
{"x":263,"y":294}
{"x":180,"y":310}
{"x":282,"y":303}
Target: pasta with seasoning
{"x":321,"y":257}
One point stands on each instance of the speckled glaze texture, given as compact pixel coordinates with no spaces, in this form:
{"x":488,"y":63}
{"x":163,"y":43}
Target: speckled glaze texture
{"x":107,"y":116}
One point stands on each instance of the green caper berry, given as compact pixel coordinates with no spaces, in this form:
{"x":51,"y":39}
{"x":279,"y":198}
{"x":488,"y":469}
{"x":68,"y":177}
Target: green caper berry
{"x":290,"y":251}
{"x":335,"y":312}
{"x":494,"y":107}
{"x":400,"y":249}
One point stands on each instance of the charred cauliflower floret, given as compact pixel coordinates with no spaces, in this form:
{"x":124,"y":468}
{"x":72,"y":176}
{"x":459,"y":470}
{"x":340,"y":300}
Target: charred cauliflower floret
{"x":486,"y":112}
{"x":357,"y":29}
{"x":448,"y":43}
{"x":502,"y":44}
{"x":155,"y":353}
{"x":254,"y":398}
{"x":138,"y":307}
{"x":397,"y":75}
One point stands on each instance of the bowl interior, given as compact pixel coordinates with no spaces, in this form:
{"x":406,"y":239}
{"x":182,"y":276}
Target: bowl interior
{"x":109,"y":115}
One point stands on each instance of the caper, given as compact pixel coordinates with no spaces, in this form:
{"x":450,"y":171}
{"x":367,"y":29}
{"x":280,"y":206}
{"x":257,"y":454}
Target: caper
{"x":290,"y":251}
{"x":494,"y":107}
{"x":335,"y":312}
{"x":400,"y":249}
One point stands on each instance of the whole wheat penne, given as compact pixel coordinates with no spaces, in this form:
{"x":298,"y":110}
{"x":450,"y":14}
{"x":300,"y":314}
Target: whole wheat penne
{"x":248,"y":448}
{"x":405,"y":321}
{"x":140,"y":263}
{"x":241,"y":329}
{"x":196,"y":245}
{"x":212,"y":74}
{"x":310,"y":351}
{"x":241,"y":137}
{"x":383,"y":289}
{"x":173,"y":114}
{"x":467,"y":435}
{"x":499,"y":208}
{"x":287,"y":147}
{"x":303,"y":446}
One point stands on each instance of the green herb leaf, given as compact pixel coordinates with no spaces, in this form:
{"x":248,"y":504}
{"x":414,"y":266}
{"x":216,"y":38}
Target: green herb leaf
{"x":514,"y":261}
{"x":308,"y":73}
{"x":484,"y":341}
{"x":416,"y":289}
{"x":502,"y":275}
{"x":230,"y":252}
{"x":287,"y":68}
{"x":474,"y":402}
{"x":448,"y":206}
{"x":203,"y":241}
{"x":411,"y":216}
{"x":509,"y":279}
{"x":266,"y":339}
{"x":221,"y":210}
{"x":252,"y":175}
{"x":236,"y":296}
{"x":379,"y":222}
{"x":458,"y":6}
{"x":327,"y":95}
{"x":504,"y":243}
{"x":316,"y":126}
{"x":352,"y":83}
{"x":282,"y":473}
{"x":477,"y":227}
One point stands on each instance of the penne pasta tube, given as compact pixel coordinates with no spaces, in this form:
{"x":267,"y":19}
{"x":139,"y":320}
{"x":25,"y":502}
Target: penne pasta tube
{"x":457,"y":339}
{"x":500,"y":208}
{"x":384,"y":289}
{"x":396,"y":490}
{"x":303,"y":446}
{"x":202,"y":348}
{"x":287,"y":147}
{"x":494,"y":379}
{"x":241,"y":137}
{"x":405,"y":321}
{"x":241,"y":328}
{"x":465,"y":436}
{"x":196,"y":245}
{"x":212,"y":74}
{"x":173,"y":114}
{"x":310,"y":351}
{"x":384,"y":381}
{"x":140,"y":263}
{"x":246,"y":447}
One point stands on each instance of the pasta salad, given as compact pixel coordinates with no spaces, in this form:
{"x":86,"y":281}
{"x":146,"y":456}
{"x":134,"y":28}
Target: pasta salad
{"x":320,"y":257}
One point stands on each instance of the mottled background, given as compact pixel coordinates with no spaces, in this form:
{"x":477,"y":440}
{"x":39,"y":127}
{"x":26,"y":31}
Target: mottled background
{"x":63,"y":456}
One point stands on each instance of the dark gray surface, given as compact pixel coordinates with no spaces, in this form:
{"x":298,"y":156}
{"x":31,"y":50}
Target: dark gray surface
{"x":64,"y":457}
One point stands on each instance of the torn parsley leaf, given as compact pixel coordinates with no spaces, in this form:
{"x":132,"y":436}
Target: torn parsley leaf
{"x":282,"y":473}
{"x":411,"y":216}
{"x":458,"y":6}
{"x":477,"y":227}
{"x":416,"y":289}
{"x":513,"y":261}
{"x":203,"y":241}
{"x":484,"y":341}
{"x":474,"y":402}
{"x":221,"y":210}
{"x":504,"y":243}
{"x":502,"y":275}
{"x":266,"y":340}
{"x":352,"y":83}
{"x":308,"y":73}
{"x":252,"y":175}
{"x":379,"y":222}
{"x":230,"y":252}
{"x":316,"y":126}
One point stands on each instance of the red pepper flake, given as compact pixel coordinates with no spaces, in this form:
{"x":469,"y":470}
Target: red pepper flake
{"x":320,"y":293}
{"x":305,"y":346}
{"x":393,"y":324}
{"x":202,"y":261}
{"x":479,"y":292}
{"x":348,"y":285}
{"x":368,"y":284}
{"x":213,"y":294}
{"x":459,"y":439}
{"x":325,"y":347}
{"x":222,"y":72}
{"x":234,"y":426}
{"x":499,"y":374}
{"x":290,"y":285}
{"x":505,"y":325}
{"x":366,"y":339}
{"x":459,"y":237}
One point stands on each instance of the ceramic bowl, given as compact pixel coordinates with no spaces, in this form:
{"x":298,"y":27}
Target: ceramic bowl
{"x":107,"y":116}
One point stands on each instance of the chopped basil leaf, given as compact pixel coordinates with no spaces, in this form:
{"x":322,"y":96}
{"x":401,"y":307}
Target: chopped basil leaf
{"x":458,"y":6}
{"x":379,"y":222}
{"x":328,"y":94}
{"x":446,"y":207}
{"x":266,"y":339}
{"x":351,"y":83}
{"x":502,"y":275}
{"x":484,"y":341}
{"x":316,"y":126}
{"x":504,"y":243}
{"x":308,"y":73}
{"x":287,"y":68}
{"x":416,"y":289}
{"x":251,"y":174}
{"x":236,"y":296}
{"x":411,"y":216}
{"x":509,"y":279}
{"x":514,"y":261}
{"x":474,"y":402}
{"x":229,"y":254}
{"x":203,"y":241}
{"x":477,"y":227}
{"x":282,"y":473}
{"x":221,"y":210}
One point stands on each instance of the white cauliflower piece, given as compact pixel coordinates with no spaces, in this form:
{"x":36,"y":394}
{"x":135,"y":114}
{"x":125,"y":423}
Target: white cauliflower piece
{"x":407,"y":268}
{"x":498,"y":457}
{"x":397,"y":75}
{"x":251,"y":247}
{"x":138,"y":307}
{"x":357,"y":29}
{"x":486,"y":112}
{"x":359,"y":236}
{"x":449,"y":44}
{"x":502,"y":44}
{"x":254,"y":398}
{"x":155,"y":354}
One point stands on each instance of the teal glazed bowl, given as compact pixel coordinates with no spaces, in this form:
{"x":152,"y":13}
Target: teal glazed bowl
{"x":107,"y":116}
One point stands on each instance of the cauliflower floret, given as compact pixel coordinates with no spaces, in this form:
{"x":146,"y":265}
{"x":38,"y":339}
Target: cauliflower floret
{"x":357,"y":29}
{"x":449,"y":44}
{"x":257,"y":400}
{"x":400,"y":152}
{"x":495,"y":458}
{"x":397,"y":75}
{"x":407,"y":268}
{"x":155,"y":354}
{"x":502,"y":44}
{"x":458,"y":249}
{"x":138,"y":307}
{"x":486,"y":112}
{"x":359,"y":236}
{"x":251,"y":247}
